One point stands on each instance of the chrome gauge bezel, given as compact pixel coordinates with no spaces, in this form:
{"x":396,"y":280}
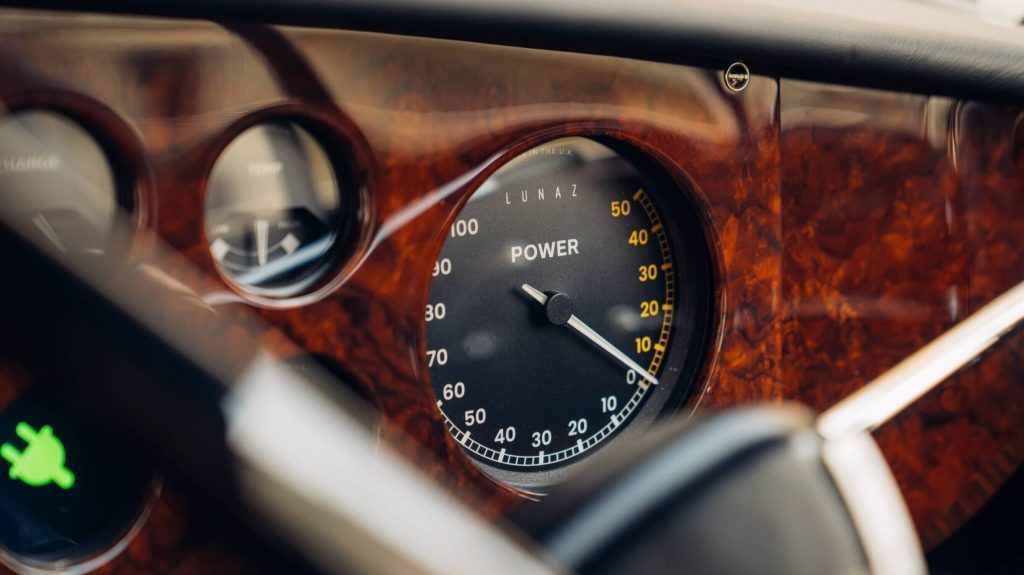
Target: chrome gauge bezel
{"x":349,"y":227}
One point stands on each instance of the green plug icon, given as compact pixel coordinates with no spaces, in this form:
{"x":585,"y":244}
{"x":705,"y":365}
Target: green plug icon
{"x":42,"y":461}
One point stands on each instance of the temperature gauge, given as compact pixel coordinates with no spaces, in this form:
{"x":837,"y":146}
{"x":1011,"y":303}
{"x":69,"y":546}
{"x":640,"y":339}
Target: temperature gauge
{"x":274,"y":210}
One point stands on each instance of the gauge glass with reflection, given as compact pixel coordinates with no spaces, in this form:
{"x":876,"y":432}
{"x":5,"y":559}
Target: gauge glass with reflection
{"x":57,"y":179}
{"x":567,"y":308}
{"x":274,"y":210}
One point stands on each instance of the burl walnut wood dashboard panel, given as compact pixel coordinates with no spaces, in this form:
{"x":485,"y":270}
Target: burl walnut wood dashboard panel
{"x":848,"y":227}
{"x":900,"y":215}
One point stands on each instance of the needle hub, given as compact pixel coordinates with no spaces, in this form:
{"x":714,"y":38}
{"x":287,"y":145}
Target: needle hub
{"x":558,"y":308}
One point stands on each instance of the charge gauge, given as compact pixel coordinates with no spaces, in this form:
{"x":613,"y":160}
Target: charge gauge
{"x":276,"y":210}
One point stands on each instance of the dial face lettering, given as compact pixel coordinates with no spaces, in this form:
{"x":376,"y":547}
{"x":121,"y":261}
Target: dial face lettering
{"x":558,"y":308}
{"x":455,"y":390}
{"x":442,"y":267}
{"x":436,"y":312}
{"x":545,"y":250}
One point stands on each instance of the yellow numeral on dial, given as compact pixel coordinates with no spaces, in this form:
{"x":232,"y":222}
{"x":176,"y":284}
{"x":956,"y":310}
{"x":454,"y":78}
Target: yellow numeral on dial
{"x":643,"y":344}
{"x":648,"y":272}
{"x":649,"y":308}
{"x":621,"y":208}
{"x":638,"y":238}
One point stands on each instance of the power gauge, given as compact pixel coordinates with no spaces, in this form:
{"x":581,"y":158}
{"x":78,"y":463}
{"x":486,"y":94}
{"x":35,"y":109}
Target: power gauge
{"x":569,"y":308}
{"x":275,"y":210}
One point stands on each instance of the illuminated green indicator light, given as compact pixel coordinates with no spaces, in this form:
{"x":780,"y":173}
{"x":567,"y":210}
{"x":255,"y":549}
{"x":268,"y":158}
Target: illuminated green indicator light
{"x":42,"y":461}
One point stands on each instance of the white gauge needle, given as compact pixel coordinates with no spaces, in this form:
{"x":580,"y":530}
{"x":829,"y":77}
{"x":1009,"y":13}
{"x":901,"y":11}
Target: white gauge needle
{"x":44,"y":226}
{"x":262,"y":241}
{"x":592,"y":336}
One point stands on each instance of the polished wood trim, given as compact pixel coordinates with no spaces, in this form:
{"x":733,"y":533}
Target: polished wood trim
{"x":902,"y":215}
{"x":847,"y":227}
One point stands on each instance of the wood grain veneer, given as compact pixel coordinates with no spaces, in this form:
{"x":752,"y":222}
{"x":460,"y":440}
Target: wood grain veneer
{"x":848,"y":227}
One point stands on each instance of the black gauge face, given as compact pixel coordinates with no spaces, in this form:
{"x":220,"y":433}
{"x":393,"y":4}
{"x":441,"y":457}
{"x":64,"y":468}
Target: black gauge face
{"x":274,"y":210}
{"x":58,"y":177}
{"x":561,"y":311}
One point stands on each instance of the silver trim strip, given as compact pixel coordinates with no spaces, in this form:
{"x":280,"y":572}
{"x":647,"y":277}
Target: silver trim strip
{"x":875,"y":504}
{"x":896,"y":389}
{"x":346,"y":499}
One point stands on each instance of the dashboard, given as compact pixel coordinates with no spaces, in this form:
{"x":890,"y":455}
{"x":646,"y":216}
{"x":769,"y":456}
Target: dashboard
{"x":518,"y":257}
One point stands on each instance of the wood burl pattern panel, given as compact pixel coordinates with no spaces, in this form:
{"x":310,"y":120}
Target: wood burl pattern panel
{"x":847,"y":227}
{"x":894,"y":231}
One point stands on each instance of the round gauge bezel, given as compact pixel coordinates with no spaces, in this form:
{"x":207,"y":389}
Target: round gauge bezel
{"x":111,"y":539}
{"x":122,"y":148}
{"x":90,"y":562}
{"x":678,"y":205}
{"x":346,"y":152}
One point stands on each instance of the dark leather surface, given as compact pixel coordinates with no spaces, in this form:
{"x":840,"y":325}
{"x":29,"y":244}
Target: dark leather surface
{"x":903,"y":44}
{"x":740,"y":492}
